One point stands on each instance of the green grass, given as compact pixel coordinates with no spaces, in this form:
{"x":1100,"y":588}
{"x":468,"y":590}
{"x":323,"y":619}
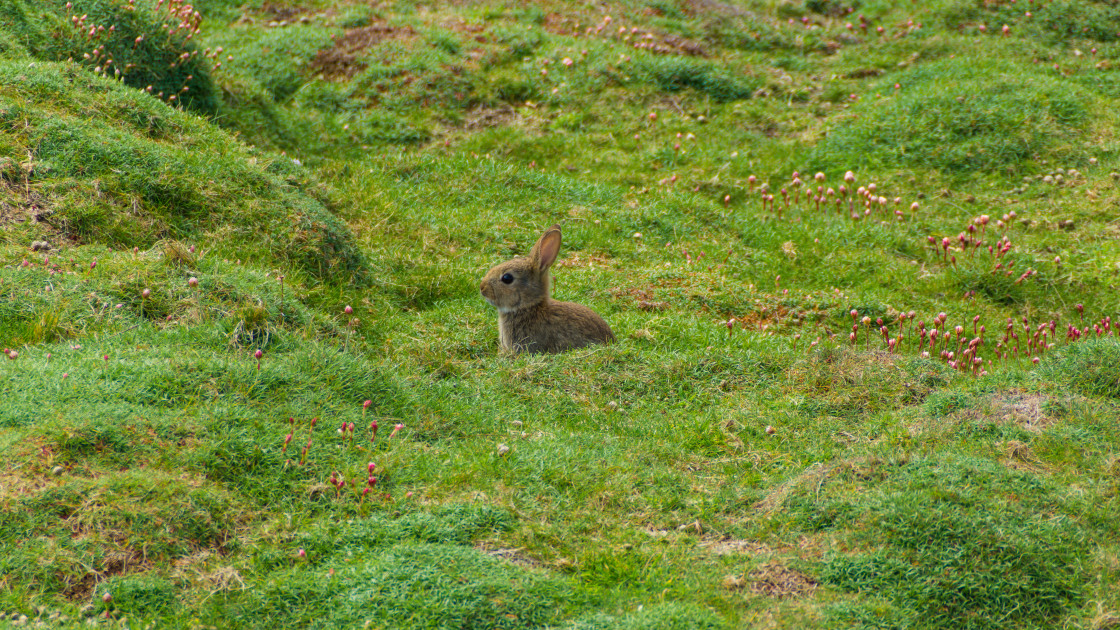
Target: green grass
{"x":774,"y":473}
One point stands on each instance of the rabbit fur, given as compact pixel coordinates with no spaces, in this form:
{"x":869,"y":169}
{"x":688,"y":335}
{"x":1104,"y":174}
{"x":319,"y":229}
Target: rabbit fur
{"x":529,"y":320}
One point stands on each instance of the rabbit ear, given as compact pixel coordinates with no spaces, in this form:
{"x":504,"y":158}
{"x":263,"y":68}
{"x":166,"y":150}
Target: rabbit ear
{"x":547,"y":248}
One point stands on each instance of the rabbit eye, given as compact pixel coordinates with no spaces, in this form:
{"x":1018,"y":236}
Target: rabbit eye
{"x":507,"y":278}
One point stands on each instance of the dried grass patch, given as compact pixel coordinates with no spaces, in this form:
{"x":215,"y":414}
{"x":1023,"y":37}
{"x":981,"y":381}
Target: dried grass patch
{"x":733,"y":546}
{"x":1025,"y":410}
{"x":641,"y":299}
{"x":773,"y":579}
{"x":512,"y":555}
{"x":814,"y":476}
{"x":1019,"y":456}
{"x":483,"y":117}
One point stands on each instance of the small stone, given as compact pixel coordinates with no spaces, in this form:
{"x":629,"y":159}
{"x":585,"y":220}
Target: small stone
{"x":612,"y":406}
{"x":518,"y":423}
{"x":57,"y":470}
{"x":502,"y":449}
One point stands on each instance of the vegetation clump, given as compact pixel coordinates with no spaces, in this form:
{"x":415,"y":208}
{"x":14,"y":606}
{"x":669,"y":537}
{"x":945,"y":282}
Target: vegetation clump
{"x":959,"y":115}
{"x":860,"y":260}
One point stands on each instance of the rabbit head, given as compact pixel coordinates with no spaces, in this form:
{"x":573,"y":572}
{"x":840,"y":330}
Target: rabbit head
{"x":523,"y":282}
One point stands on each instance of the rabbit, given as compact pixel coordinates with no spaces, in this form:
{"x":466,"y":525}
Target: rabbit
{"x":528,"y":319}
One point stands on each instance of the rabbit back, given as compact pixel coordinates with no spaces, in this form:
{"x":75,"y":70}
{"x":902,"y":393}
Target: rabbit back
{"x":552,"y":327}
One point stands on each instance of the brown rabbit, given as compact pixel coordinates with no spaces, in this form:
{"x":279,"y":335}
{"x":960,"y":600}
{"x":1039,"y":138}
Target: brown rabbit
{"x":528,"y":319}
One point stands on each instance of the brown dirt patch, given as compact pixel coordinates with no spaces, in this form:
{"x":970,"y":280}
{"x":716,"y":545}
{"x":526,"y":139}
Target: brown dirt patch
{"x":343,"y":60}
{"x":1025,"y":410}
{"x":559,"y":25}
{"x":762,"y":319}
{"x":661,"y":44}
{"x":281,"y":11}
{"x":1019,"y":456}
{"x":486,"y":117}
{"x":775,"y":579}
{"x":115,"y":562}
{"x":81,"y":589}
{"x":28,"y":470}
{"x":641,"y":299}
{"x":476,"y":30}
{"x":25,"y":205}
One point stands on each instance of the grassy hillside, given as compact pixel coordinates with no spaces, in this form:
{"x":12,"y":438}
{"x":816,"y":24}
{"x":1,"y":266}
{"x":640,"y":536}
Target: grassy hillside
{"x":861,"y":259}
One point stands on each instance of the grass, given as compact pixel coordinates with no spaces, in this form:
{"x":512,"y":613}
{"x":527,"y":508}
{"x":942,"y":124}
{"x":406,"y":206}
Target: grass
{"x":776,"y":439}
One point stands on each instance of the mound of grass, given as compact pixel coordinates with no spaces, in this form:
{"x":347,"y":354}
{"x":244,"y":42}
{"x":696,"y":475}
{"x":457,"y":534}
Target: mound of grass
{"x":143,"y":46}
{"x":19,"y":28}
{"x":1058,"y":21}
{"x":415,"y":585}
{"x":964,"y":547}
{"x":1091,"y":368}
{"x":959,"y":115}
{"x":166,"y":174}
{"x":418,"y":570}
{"x":146,"y":47}
{"x":673,"y":73}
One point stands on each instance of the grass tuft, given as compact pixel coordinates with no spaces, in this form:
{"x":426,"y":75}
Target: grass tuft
{"x":1091,"y":368}
{"x":958,"y":115}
